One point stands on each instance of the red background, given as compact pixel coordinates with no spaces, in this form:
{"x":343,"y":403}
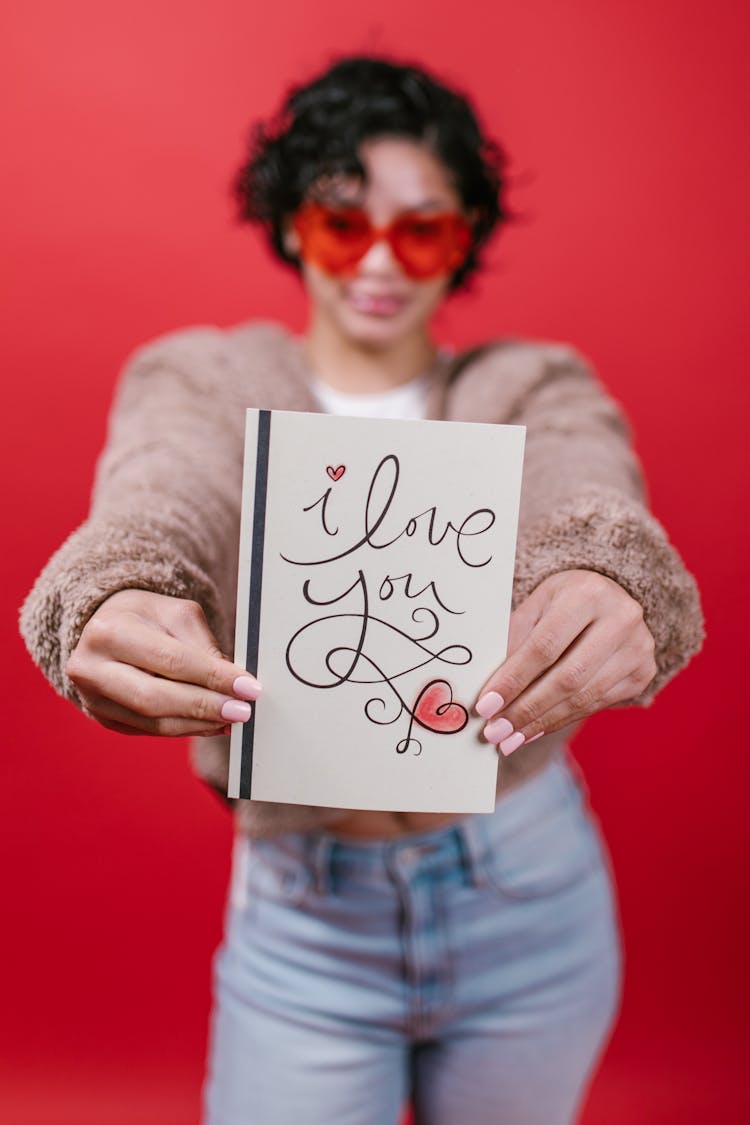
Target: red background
{"x":626,"y":122}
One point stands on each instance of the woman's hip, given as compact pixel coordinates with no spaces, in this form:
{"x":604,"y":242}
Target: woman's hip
{"x":429,"y":929}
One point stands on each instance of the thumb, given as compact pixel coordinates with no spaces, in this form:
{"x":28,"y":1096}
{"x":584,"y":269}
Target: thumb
{"x":186,"y":621}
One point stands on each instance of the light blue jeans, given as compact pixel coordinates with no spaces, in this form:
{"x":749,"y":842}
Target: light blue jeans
{"x":474,"y":970}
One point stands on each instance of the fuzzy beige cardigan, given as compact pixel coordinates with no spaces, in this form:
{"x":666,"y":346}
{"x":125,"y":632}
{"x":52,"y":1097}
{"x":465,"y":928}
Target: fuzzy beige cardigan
{"x":166,"y":502}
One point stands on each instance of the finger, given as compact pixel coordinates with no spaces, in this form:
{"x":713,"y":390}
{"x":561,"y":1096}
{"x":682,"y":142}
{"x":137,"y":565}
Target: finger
{"x":121,"y":719}
{"x":597,"y":696}
{"x":543,"y":646}
{"x":153,"y":697}
{"x":185,"y":619}
{"x":524,"y":618}
{"x":624,"y":676}
{"x":571,"y":678}
{"x":522,"y":621}
{"x":162,"y":654}
{"x":620,"y":678}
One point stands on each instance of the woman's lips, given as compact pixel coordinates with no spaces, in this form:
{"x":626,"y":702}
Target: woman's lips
{"x":377,"y":304}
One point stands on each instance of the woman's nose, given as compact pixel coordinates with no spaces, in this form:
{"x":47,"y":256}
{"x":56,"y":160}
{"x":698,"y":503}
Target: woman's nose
{"x":380,"y":258}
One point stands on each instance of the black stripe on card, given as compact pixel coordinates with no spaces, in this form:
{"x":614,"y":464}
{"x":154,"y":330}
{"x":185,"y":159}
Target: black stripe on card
{"x":256,"y":581}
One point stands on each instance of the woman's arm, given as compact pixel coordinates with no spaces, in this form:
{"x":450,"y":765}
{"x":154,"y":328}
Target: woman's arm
{"x":605,"y":611}
{"x":129,"y":617}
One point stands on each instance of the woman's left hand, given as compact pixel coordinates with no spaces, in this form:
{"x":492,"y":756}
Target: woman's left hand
{"x":577,"y":644}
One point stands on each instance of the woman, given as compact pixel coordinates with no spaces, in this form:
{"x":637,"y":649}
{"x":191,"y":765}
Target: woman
{"x":468,"y":963}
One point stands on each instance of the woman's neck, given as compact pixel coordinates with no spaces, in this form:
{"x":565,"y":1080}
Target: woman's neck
{"x":363,"y":369}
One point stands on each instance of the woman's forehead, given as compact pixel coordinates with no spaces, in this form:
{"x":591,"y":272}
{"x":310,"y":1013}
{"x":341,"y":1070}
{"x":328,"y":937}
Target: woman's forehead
{"x":399,"y":174}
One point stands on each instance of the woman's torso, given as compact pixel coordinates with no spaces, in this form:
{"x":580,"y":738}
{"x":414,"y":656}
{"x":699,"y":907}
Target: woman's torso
{"x":410,"y":400}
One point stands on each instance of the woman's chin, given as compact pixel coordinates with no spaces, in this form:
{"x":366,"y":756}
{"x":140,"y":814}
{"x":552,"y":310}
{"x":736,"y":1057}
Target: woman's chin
{"x":367,"y":328}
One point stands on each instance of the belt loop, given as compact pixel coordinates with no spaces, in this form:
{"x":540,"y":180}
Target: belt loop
{"x":475,"y":843}
{"x":320,"y":863}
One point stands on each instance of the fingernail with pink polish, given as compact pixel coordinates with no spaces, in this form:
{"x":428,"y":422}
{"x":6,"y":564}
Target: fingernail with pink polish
{"x":246,"y":687}
{"x":235,"y":711}
{"x":497,"y":730}
{"x":512,"y":743}
{"x":489,"y":704}
{"x":530,"y":740}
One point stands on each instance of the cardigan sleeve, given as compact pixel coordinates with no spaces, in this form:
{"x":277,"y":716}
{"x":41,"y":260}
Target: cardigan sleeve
{"x":164,"y":514}
{"x":584,"y":506}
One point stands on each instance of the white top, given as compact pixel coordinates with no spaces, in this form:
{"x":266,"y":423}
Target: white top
{"x":409,"y":400}
{"x":406,"y":401}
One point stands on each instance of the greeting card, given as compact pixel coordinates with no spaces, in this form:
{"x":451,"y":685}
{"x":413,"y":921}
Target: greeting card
{"x":374,"y":593}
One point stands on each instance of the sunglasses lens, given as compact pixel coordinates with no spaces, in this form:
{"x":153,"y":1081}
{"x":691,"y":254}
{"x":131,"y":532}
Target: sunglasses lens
{"x":430,"y":247}
{"x":336,"y":239}
{"x":333,"y":239}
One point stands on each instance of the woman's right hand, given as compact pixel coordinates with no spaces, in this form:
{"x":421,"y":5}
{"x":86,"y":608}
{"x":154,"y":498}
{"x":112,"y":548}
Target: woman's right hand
{"x":148,"y":663}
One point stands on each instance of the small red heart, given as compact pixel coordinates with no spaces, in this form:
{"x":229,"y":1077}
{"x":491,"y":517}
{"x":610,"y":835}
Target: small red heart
{"x":334,"y":474}
{"x":436,"y":709}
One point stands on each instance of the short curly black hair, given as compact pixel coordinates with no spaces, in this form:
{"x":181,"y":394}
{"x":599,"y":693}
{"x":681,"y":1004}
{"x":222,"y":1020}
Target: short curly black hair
{"x":321,"y":125}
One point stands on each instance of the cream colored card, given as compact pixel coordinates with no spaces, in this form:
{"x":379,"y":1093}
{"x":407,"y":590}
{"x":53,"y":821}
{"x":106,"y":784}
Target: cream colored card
{"x":375,"y":579}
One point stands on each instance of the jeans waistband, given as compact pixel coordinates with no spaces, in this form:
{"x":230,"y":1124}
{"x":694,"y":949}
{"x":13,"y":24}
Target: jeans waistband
{"x":465,"y":844}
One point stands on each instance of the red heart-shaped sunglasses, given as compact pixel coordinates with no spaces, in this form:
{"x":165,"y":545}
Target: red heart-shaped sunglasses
{"x":426,"y":246}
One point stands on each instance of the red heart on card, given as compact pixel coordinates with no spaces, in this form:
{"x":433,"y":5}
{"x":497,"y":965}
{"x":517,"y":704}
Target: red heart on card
{"x":437,"y":710}
{"x":334,"y":474}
